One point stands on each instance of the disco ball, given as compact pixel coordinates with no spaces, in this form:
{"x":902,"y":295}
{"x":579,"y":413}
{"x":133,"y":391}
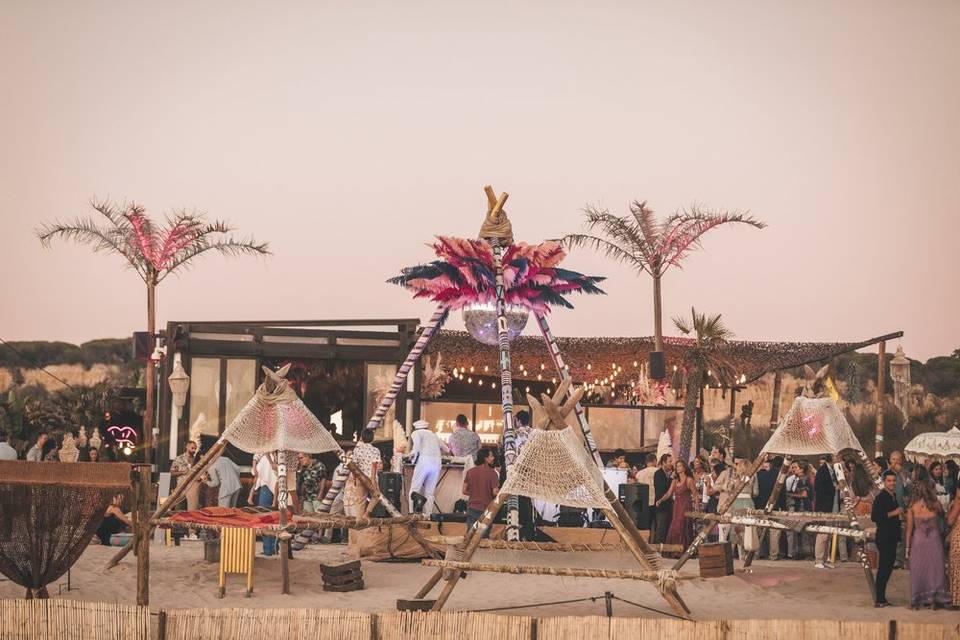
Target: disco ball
{"x":481,"y":322}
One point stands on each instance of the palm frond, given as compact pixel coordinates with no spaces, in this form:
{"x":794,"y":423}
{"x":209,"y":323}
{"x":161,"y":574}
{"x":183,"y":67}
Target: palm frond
{"x":621,"y":230}
{"x":684,"y":230}
{"x":646,"y":222}
{"x":231,"y":247}
{"x":604,"y":246}
{"x":87,"y":232}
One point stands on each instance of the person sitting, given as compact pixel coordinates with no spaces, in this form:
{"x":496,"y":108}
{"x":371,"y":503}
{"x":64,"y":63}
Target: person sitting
{"x":35,"y":454}
{"x":6,"y":451}
{"x":480,"y":485}
{"x":114,"y":521}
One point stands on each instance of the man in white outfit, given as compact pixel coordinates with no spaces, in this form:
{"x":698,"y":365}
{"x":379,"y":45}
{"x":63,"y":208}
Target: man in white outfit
{"x":426,"y":456}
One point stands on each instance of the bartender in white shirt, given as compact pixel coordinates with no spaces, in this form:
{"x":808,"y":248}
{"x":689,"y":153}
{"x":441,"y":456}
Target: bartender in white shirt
{"x":426,"y":455}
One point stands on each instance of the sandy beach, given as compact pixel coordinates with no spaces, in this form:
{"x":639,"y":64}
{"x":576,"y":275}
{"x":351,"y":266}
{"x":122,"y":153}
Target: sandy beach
{"x":180,"y":578}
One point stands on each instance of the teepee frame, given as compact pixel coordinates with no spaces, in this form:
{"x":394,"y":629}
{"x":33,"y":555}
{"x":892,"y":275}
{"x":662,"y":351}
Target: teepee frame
{"x":767,"y":517}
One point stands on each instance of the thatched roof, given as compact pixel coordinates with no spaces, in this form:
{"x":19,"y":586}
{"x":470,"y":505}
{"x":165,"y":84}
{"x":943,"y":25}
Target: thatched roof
{"x":590,"y":358}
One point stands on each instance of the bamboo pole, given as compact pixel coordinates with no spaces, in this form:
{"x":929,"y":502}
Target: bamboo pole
{"x":506,"y":386}
{"x":775,"y":403}
{"x":284,"y":537}
{"x":771,"y":502}
{"x":174,"y":497}
{"x":847,"y":496}
{"x":573,"y":572}
{"x":430,"y":330}
{"x":471,"y":543}
{"x":722,"y":508}
{"x":569,"y":546}
{"x":881,"y":384}
{"x":765,"y":523}
{"x":141,"y":530}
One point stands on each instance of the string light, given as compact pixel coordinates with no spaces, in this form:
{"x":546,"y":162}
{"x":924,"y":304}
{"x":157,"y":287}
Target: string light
{"x":589,"y":366}
{"x":493,"y":385}
{"x":553,"y":380}
{"x":635,"y":363}
{"x":539,"y":377}
{"x":527,"y":389}
{"x":542,"y":366}
{"x":471,"y":369}
{"x":486,"y":368}
{"x":470,"y":380}
{"x":674,"y":367}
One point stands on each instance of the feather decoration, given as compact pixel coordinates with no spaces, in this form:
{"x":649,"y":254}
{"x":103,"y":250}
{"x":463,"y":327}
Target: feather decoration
{"x":463,"y":274}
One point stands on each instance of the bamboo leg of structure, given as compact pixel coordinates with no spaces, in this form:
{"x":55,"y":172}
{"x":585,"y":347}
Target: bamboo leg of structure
{"x":847,"y":496}
{"x":881,"y":384}
{"x":670,"y":595}
{"x":771,"y":502}
{"x":506,"y":387}
{"x":474,"y":536}
{"x":722,"y":508}
{"x":141,"y":530}
{"x":284,"y":537}
{"x":574,"y":572}
{"x":181,"y":488}
{"x":430,"y":330}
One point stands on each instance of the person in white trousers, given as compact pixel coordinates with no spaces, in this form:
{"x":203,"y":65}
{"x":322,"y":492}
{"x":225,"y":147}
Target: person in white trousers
{"x":426,"y":455}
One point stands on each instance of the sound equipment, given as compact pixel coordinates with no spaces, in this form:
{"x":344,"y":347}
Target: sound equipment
{"x":391,"y":486}
{"x":142,"y":345}
{"x":448,"y":517}
{"x":658,"y":366}
{"x":634,"y":498}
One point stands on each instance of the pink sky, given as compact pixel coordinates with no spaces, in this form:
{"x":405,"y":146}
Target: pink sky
{"x":347,"y":134}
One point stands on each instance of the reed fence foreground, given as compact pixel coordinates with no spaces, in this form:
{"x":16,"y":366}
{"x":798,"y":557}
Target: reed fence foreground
{"x":69,"y":620}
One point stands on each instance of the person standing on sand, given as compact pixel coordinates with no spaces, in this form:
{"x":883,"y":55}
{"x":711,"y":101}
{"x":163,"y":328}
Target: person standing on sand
{"x":886,"y":514}
{"x":663,"y":509}
{"x":924,"y":546}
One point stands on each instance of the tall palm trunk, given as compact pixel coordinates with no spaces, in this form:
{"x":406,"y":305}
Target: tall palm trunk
{"x":151,"y":370}
{"x":690,"y":401}
{"x":657,"y":315}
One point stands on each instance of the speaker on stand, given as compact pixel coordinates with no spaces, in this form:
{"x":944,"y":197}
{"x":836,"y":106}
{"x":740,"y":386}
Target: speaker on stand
{"x":391,"y":486}
{"x":635,"y":498}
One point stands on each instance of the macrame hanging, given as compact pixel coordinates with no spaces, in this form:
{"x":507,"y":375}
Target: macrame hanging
{"x":900,"y":374}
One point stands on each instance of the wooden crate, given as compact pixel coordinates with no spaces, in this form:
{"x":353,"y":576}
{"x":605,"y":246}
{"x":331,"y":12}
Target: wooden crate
{"x":716,"y":560}
{"x":342,"y":577}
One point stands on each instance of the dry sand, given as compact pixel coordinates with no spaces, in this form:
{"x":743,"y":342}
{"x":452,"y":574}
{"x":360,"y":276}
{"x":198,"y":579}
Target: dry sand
{"x":180,"y":578}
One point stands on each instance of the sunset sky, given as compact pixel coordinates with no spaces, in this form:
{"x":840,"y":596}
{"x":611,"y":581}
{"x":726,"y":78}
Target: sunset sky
{"x":348,"y":134}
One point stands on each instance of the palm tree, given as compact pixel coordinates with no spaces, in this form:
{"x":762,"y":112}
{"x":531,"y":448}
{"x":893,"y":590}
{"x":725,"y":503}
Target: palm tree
{"x":154,"y":252}
{"x":652,"y":246}
{"x":707,"y":356}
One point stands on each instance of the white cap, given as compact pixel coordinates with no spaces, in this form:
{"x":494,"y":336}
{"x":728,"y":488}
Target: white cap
{"x":421,"y":424}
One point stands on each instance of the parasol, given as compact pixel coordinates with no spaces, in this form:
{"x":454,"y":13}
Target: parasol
{"x":937,"y":445}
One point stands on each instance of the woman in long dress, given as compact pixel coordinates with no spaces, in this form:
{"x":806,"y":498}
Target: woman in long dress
{"x":952,"y":518}
{"x":924,"y":546}
{"x":682,"y":490}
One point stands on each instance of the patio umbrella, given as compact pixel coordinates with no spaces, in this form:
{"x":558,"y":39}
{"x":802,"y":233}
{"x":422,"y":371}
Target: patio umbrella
{"x":937,"y":445}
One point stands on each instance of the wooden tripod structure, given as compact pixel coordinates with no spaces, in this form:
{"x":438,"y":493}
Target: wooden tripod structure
{"x":552,"y":412}
{"x":767,"y":520}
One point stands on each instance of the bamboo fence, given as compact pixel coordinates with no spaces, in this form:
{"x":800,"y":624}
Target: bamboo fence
{"x":56,"y":619}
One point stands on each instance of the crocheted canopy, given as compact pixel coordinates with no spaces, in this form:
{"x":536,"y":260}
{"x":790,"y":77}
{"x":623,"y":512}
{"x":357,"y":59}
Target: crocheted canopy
{"x":276,"y":419}
{"x":812,"y":426}
{"x":554,"y":466}
{"x":464,"y":275}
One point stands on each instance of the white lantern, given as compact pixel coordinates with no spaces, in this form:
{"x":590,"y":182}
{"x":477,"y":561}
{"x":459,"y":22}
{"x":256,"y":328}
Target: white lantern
{"x":481,"y":321}
{"x":179,"y":383}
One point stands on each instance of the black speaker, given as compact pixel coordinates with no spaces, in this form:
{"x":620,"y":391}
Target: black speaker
{"x":634,"y":498}
{"x":391,"y":486}
{"x":142,"y":345}
{"x":658,"y":366}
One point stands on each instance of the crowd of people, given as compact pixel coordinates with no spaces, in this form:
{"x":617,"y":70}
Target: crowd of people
{"x":915,"y":514}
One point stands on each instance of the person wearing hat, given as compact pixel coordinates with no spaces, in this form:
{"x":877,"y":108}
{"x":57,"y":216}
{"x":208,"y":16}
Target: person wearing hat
{"x":426,"y":457}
